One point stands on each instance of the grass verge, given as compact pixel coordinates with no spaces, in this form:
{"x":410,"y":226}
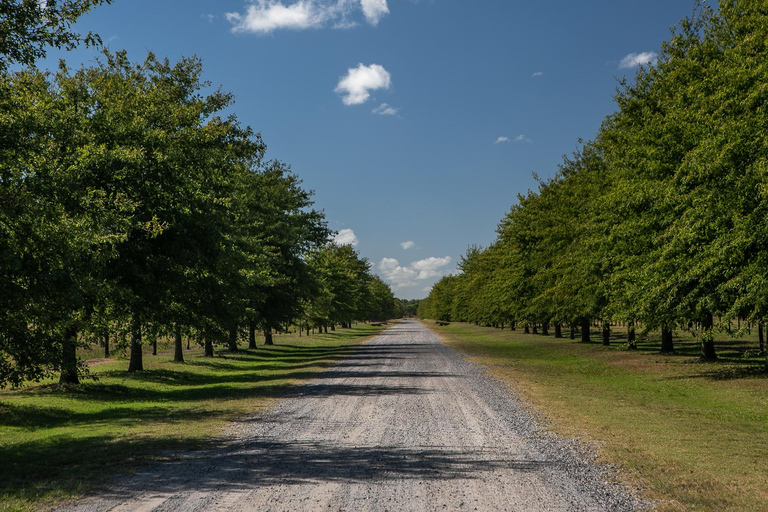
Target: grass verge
{"x":59,"y":442}
{"x":694,"y":436}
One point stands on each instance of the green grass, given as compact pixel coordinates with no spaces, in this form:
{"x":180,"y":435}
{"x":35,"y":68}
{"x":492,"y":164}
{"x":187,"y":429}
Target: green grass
{"x":61,"y":442}
{"x":693,"y":436}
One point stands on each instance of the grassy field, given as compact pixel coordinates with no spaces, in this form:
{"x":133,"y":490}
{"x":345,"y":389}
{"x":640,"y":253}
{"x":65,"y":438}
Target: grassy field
{"x":694,"y":436}
{"x":60,"y":442}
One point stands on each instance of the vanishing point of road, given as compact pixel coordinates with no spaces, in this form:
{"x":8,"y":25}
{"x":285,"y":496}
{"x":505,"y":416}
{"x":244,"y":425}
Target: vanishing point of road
{"x":404,"y":424}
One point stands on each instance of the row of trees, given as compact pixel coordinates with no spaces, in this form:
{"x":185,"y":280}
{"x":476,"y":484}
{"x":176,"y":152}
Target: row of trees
{"x":130,"y":202}
{"x":661,"y":219}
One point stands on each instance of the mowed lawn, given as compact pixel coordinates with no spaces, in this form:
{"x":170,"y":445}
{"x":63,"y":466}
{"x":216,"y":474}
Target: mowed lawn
{"x":61,"y":442}
{"x":693,"y":436}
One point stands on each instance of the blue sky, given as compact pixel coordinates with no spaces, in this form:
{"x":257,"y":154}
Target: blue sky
{"x":416,"y":122}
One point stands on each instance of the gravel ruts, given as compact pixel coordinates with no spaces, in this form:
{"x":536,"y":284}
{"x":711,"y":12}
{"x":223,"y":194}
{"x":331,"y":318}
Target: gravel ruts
{"x":405,"y":424}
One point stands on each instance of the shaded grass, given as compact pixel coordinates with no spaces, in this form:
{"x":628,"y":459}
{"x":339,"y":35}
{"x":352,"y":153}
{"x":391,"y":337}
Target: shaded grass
{"x":61,"y":442}
{"x":694,"y":436}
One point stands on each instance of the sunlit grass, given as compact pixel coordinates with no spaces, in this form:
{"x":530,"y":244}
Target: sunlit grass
{"x":59,"y":442}
{"x":694,"y":436}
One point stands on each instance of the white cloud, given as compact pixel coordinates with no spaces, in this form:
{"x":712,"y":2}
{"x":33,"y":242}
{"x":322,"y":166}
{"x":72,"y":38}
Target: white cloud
{"x":501,"y":139}
{"x":634,"y":60}
{"x":400,"y":276}
{"x":374,"y":10}
{"x":385,"y":110}
{"x":360,"y":81}
{"x":427,"y":289}
{"x":523,"y":138}
{"x":208,"y":17}
{"x":538,"y":73}
{"x":408,"y":245}
{"x":429,"y":267}
{"x":265,"y":16}
{"x":345,"y":237}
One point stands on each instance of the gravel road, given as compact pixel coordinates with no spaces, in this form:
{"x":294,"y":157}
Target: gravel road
{"x":405,"y":424}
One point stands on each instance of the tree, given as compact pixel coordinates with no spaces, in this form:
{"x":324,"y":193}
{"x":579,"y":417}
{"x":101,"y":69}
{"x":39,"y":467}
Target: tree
{"x":30,"y":27}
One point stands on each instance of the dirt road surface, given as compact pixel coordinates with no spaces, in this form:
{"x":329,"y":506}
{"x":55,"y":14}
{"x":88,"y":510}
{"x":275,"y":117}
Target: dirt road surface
{"x":405,"y":424}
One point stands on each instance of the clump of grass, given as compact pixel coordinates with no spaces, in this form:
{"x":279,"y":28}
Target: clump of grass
{"x":694,"y":436}
{"x":60,"y":442}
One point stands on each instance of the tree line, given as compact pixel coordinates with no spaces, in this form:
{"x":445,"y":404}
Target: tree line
{"x":660,"y":221}
{"x":132,"y":202}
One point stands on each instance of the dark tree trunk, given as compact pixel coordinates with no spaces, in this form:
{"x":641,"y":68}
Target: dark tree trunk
{"x":631,"y":338}
{"x":137,"y":363}
{"x":572,"y":334}
{"x":512,"y":325}
{"x":154,"y":342}
{"x":232,"y":340}
{"x":761,"y":337}
{"x":106,"y":344}
{"x":606,"y":334}
{"x":667,"y":345}
{"x":178,"y":347}
{"x":558,"y":330}
{"x":325,"y":329}
{"x":545,"y":329}
{"x":535,"y":328}
{"x":208,"y":347}
{"x":502,"y":326}
{"x":333,"y":326}
{"x":251,"y":335}
{"x":527,"y":329}
{"x":268,"y":337}
{"x":707,"y":339}
{"x":187,"y":342}
{"x":585,"y":326}
{"x":69,"y":357}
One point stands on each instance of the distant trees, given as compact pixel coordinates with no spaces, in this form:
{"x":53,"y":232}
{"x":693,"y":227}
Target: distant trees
{"x":661,"y":219}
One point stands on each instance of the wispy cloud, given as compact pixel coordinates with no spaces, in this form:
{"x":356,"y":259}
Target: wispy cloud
{"x":501,"y":139}
{"x":345,"y":237}
{"x":208,"y":17}
{"x":538,"y":73}
{"x":523,"y":138}
{"x":408,"y":245}
{"x":634,"y":60}
{"x":358,"y":83}
{"x":385,"y":110}
{"x":374,"y":10}
{"x":265,"y":16}
{"x":401,"y":277}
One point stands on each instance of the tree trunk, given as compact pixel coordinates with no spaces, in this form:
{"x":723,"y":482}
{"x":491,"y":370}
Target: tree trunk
{"x":631,"y":338}
{"x":512,"y":325}
{"x":545,"y":329}
{"x":558,"y":330}
{"x":154,"y":342}
{"x":69,"y":357}
{"x":251,"y":335}
{"x":761,"y":337}
{"x":178,"y":347}
{"x":106,"y":344}
{"x":585,"y":326}
{"x":268,"y":337}
{"x":137,"y":363}
{"x":572,"y":334}
{"x":606,"y":334}
{"x":232,"y":340}
{"x":326,"y":329}
{"x":208,"y":347}
{"x":667,"y":345}
{"x":707,"y":340}
{"x":535,"y":328}
{"x":527,"y":329}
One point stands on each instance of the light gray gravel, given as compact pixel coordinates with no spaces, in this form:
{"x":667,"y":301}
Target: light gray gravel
{"x":403,"y":424}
